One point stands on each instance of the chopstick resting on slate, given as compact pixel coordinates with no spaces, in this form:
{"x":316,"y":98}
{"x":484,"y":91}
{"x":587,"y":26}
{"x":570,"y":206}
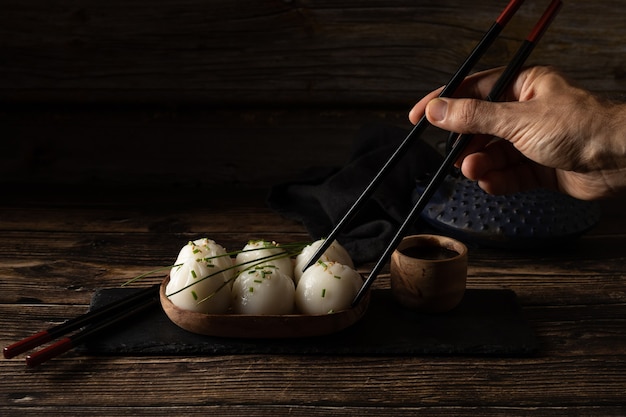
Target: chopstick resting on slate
{"x":423,"y":123}
{"x":461,"y":142}
{"x":98,"y":320}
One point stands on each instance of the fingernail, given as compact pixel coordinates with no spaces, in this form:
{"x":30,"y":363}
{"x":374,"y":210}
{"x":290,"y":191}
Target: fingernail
{"x":437,"y":109}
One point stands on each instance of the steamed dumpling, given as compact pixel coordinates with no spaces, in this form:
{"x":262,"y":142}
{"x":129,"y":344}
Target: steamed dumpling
{"x":335,"y":253}
{"x":327,"y":287}
{"x":263,"y":290}
{"x":262,"y":253}
{"x":197,"y":260}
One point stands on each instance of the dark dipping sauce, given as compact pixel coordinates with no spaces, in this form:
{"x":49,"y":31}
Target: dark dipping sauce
{"x":432,"y":253}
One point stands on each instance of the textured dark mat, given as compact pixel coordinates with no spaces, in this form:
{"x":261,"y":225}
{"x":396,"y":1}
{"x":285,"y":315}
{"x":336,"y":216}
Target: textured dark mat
{"x":487,"y":322}
{"x":537,"y":218}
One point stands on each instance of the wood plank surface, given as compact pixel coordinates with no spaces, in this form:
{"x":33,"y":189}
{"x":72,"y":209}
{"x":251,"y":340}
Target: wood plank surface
{"x":130,"y":128}
{"x":171,"y":147}
{"x":153,"y":92}
{"x":574,"y":300}
{"x":383,"y":52}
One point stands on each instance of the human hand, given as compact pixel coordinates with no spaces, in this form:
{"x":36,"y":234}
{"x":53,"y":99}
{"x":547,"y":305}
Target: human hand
{"x":557,"y":135}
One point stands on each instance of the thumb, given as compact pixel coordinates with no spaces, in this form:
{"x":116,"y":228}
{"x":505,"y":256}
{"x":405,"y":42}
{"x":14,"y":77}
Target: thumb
{"x":471,"y":116}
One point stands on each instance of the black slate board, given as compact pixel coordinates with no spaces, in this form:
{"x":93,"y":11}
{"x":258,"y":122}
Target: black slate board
{"x":487,"y":322}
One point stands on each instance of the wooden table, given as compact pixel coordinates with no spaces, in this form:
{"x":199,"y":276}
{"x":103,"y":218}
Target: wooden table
{"x":58,"y":248}
{"x":128,"y":129}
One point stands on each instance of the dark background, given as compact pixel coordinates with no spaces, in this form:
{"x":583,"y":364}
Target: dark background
{"x":171,"y":92}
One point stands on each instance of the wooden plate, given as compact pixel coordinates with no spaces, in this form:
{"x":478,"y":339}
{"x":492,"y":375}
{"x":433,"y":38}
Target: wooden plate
{"x":269,"y":326}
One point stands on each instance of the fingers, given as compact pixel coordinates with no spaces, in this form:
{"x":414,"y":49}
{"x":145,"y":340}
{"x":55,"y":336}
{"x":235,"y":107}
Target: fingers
{"x":518,"y":178}
{"x":477,"y":85}
{"x":501,"y":169}
{"x":557,"y":135}
{"x":514,"y":179}
{"x":417,"y":111}
{"x":496,"y":156}
{"x":469,"y":116}
{"x":527,"y":121}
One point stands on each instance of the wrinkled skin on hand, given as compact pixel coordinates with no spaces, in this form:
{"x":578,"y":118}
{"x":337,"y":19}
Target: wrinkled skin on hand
{"x":546,"y":132}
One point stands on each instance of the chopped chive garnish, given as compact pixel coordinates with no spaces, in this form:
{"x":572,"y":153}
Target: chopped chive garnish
{"x":336,"y":276}
{"x":323,"y":292}
{"x":193,"y":274}
{"x":251,"y":289}
{"x":284,"y":251}
{"x":258,"y":281}
{"x":322,"y":263}
{"x":207,"y":261}
{"x":194,"y":295}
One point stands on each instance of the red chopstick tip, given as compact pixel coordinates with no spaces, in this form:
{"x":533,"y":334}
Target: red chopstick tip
{"x":545,"y":20}
{"x":6,"y":352}
{"x":26,"y":344}
{"x":508,"y":12}
{"x":49,"y":352}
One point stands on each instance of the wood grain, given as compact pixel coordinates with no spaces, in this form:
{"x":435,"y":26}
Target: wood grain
{"x":51,"y":266}
{"x":129,"y":128}
{"x":167,"y":92}
{"x":384,"y":52}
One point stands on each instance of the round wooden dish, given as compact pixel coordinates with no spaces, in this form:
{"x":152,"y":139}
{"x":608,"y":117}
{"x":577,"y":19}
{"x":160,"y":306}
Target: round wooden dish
{"x":253,"y":326}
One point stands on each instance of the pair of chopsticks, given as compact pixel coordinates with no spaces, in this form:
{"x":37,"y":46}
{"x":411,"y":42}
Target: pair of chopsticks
{"x":96,"y":321}
{"x":92,"y":324}
{"x":458,"y":145}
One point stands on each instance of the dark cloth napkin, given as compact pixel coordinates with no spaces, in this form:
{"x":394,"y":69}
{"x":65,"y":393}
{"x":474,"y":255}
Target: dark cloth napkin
{"x":323,"y":194}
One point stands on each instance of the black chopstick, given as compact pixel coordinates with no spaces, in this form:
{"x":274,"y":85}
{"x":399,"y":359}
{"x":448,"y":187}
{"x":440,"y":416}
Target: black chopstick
{"x":419,"y":127}
{"x":67,"y":343}
{"x":512,"y":69}
{"x":100,"y":314}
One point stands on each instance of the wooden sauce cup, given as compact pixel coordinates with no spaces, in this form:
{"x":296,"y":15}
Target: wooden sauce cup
{"x":429,"y":273}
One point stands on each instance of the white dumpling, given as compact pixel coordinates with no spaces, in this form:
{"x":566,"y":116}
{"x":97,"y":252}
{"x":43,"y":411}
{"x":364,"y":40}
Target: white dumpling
{"x":197,"y":260}
{"x":263,"y":291}
{"x":327,"y":287}
{"x":334,"y":253}
{"x":267,"y":253}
